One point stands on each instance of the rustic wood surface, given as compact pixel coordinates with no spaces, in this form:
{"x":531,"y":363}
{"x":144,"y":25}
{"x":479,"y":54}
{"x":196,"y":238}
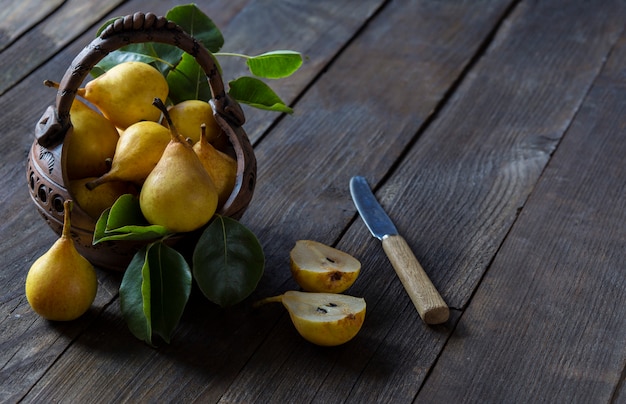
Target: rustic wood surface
{"x":494,"y":134}
{"x":17,"y":18}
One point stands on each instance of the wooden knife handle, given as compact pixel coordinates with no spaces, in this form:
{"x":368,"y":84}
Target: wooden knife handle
{"x":427,"y":300}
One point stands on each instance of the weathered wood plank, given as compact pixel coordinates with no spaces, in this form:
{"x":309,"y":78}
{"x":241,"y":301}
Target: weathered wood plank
{"x":45,"y":39}
{"x":361,"y":127}
{"x":555,"y":292}
{"x":318,"y":34}
{"x":18,"y":17}
{"x":212,"y":346}
{"x":471,"y":171}
{"x":486,"y":149}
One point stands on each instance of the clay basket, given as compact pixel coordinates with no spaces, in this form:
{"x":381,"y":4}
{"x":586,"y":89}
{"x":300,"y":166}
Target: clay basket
{"x":47,"y":179}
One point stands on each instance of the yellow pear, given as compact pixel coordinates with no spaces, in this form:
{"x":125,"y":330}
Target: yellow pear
{"x":179,"y":193}
{"x":138,"y":151}
{"x":317,"y":267}
{"x":61,"y":285}
{"x":326,"y":319}
{"x":90,"y":142}
{"x":124,"y":93}
{"x":221,"y":167}
{"x":189,"y":115}
{"x":96,"y":201}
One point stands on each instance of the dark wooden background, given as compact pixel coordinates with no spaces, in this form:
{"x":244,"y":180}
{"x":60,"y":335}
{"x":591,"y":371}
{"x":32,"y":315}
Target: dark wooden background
{"x":494,"y":132}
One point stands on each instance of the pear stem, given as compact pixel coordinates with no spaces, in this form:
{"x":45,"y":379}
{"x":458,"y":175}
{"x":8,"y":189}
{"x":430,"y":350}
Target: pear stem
{"x":67,"y":208}
{"x":173,"y":131}
{"x":54,"y":84}
{"x":203,"y":132}
{"x":91,"y":185}
{"x":272,"y":299}
{"x":50,"y":83}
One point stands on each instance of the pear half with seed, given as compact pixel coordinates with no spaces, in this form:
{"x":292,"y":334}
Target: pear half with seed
{"x":317,"y":267}
{"x":326,"y":319}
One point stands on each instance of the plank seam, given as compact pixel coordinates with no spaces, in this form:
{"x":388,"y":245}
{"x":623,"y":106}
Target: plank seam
{"x":448,"y":94}
{"x":482,"y":49}
{"x":74,"y":340}
{"x":31,"y":28}
{"x":322,"y":71}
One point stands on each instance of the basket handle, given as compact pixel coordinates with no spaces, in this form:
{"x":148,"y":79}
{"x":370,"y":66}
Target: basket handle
{"x":135,"y":28}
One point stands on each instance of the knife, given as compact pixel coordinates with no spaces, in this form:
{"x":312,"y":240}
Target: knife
{"x":427,"y":300}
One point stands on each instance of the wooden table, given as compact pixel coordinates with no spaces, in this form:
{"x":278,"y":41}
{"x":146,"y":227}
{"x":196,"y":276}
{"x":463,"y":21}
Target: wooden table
{"x":494,"y":133}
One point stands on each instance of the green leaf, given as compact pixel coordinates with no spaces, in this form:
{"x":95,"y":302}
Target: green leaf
{"x":164,"y":57}
{"x":228,"y":261}
{"x":124,"y":221}
{"x":254,"y":92}
{"x":154,"y":292}
{"x":139,"y":52}
{"x":106,"y":24}
{"x":101,"y":225}
{"x":188,"y":81}
{"x":170,"y":287}
{"x":198,"y":25}
{"x":137,"y":233}
{"x":185,"y":77}
{"x":275,"y":65}
{"x":135,"y":297}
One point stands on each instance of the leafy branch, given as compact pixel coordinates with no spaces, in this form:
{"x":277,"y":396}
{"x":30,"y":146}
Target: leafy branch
{"x":227,"y":264}
{"x":186,"y":78}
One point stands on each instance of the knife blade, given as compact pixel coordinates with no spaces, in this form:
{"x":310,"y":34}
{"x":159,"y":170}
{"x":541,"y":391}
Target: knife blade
{"x":425,"y":297}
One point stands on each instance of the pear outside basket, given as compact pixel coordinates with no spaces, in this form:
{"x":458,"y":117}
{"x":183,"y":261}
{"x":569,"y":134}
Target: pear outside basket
{"x":47,"y":179}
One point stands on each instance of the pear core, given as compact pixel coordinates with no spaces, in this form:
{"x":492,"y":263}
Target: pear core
{"x":317,"y":267}
{"x":326,"y":319}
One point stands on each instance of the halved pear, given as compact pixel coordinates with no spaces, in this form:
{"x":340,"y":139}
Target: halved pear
{"x":326,"y":319}
{"x":317,"y":267}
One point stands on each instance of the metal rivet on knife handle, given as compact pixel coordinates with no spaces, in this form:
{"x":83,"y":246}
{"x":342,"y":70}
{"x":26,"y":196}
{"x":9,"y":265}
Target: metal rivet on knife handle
{"x":427,"y":300}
